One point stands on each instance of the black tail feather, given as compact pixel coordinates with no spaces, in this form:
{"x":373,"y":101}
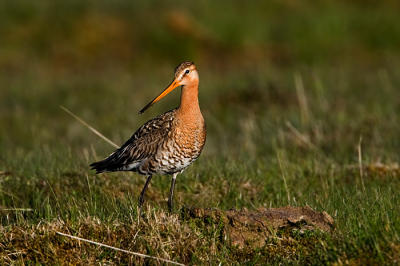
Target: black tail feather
{"x":102,"y":166}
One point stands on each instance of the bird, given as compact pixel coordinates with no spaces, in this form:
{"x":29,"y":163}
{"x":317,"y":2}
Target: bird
{"x":168,"y":143}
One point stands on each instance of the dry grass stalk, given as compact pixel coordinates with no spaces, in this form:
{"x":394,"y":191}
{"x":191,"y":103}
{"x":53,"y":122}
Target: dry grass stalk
{"x":303,"y":138}
{"x":119,"y":249}
{"x":89,"y":127}
{"x":302,"y":98}
{"x":360,"y":163}
{"x":17,"y":209}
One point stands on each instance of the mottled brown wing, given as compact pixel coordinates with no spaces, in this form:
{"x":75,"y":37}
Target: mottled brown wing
{"x":140,"y":146}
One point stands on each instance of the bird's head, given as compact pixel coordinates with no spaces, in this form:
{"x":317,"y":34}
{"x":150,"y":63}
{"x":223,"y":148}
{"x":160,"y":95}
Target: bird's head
{"x":185,"y":74}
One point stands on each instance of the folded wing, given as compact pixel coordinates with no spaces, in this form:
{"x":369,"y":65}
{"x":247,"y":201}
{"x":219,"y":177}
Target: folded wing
{"x":142,"y":145}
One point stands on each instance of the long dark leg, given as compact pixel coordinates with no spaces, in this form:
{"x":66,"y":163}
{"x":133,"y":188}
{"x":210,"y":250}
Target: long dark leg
{"x":171,"y":192}
{"x":141,"y":198}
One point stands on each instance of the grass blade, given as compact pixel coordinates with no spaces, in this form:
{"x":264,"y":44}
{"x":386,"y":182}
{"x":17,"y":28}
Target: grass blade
{"x":89,"y":127}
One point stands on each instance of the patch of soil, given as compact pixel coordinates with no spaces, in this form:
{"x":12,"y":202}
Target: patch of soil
{"x":253,"y":228}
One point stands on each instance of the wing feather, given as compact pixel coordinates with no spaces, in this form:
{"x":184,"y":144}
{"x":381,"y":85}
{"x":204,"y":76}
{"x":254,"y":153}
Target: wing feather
{"x":141,"y":145}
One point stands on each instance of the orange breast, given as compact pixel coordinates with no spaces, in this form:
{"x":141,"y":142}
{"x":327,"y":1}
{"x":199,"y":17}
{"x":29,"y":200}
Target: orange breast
{"x":183,"y":146}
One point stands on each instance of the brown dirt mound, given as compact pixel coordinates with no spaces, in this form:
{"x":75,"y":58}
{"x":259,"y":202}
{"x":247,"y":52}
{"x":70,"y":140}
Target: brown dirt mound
{"x":252,"y":228}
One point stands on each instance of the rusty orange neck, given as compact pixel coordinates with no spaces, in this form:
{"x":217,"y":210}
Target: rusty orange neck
{"x":189,"y":109}
{"x":189,"y":99}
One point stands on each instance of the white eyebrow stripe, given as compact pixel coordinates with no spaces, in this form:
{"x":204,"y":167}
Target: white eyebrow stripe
{"x":183,"y":73}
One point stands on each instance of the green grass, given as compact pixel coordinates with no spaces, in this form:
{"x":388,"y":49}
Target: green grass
{"x":97,"y":61}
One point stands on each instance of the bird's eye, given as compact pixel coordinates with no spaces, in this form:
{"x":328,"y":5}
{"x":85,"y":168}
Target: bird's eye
{"x":187,"y":71}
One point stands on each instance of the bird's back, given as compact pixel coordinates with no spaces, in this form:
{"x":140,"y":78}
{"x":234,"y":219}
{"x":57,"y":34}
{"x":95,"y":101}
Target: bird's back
{"x":140,"y":147}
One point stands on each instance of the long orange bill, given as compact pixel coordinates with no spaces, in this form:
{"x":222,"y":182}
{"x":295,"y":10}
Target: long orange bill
{"x":170,"y":88}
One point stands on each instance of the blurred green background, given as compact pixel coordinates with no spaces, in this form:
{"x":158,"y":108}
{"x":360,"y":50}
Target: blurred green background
{"x":290,"y":91}
{"x":104,"y":60}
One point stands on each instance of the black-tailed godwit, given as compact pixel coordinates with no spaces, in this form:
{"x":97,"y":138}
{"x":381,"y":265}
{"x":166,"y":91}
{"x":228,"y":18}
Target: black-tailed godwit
{"x":167,"y":144}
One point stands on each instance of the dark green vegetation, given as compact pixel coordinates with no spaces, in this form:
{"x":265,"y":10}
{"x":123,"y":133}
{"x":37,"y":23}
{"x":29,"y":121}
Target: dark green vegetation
{"x":289,"y":91}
